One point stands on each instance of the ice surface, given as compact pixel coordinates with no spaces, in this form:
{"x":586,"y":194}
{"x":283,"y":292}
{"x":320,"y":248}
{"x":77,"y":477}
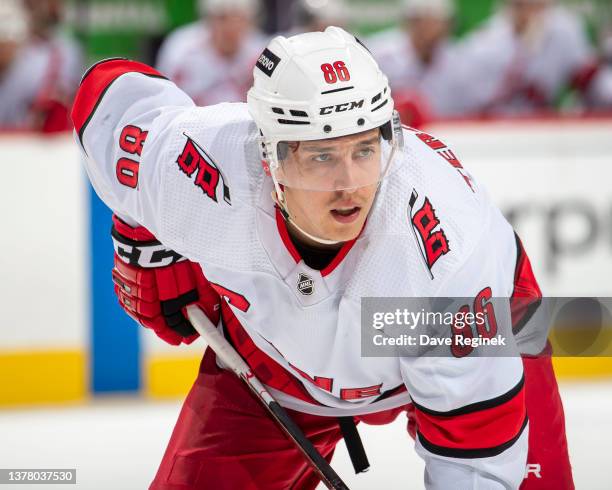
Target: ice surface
{"x":117,"y":443}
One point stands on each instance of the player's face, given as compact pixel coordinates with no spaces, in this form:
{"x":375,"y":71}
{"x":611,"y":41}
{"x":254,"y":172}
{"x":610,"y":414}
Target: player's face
{"x":428,"y":31}
{"x":228,"y":31}
{"x":526,"y":13}
{"x":336,"y":215}
{"x":8,"y":51}
{"x":44,"y":14}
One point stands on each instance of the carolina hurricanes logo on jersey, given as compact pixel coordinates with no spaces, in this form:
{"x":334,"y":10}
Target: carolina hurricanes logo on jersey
{"x":433,"y":242}
{"x":305,"y":284}
{"x":195,"y":160}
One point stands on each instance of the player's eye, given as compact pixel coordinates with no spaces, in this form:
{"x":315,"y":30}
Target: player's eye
{"x":365,"y":152}
{"x":321,"y":157}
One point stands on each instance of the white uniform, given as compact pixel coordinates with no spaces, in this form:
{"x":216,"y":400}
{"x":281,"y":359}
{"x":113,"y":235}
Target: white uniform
{"x":512,"y":75}
{"x":41,"y":70}
{"x":435,"y":86}
{"x":187,"y":58}
{"x":200,"y":189}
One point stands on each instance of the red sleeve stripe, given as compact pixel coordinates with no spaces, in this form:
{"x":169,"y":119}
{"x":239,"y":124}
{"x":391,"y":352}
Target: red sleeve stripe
{"x":526,"y":294}
{"x":137,"y":234}
{"x":485,"y":427}
{"x":471,"y":453}
{"x":96,"y":82}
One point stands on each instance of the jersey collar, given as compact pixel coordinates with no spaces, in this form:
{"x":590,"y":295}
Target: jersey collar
{"x":281,"y":225}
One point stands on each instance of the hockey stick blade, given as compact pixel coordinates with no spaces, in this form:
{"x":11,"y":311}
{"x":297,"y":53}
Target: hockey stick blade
{"x":224,"y":350}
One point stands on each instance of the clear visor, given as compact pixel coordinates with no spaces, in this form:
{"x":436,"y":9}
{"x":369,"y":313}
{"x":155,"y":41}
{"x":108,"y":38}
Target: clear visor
{"x":336,"y":164}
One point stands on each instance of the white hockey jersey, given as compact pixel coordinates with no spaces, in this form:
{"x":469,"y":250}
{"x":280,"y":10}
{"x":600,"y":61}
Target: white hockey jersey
{"x":192,"y":176}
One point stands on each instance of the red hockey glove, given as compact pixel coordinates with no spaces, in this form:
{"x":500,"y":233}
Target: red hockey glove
{"x":154,"y":284}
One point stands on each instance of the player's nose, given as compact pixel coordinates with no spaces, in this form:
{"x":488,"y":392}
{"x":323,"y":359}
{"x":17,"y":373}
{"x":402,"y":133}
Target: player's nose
{"x":346,"y":176}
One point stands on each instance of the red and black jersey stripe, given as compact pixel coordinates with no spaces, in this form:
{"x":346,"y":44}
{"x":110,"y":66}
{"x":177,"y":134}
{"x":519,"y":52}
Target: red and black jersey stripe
{"x":478,"y":430}
{"x":526,"y":294}
{"x":96,"y":82}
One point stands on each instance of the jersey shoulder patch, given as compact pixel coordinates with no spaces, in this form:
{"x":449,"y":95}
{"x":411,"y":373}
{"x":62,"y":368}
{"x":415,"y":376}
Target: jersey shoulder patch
{"x":445,"y":193}
{"x":430,"y":212}
{"x":216,"y":148}
{"x":212,"y":185}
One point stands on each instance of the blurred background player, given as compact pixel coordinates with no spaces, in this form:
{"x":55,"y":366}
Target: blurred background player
{"x":421,"y":61}
{"x":212,"y":58}
{"x":316,"y":15}
{"x":525,"y":57}
{"x":13,"y":33}
{"x":599,"y":95}
{"x":46,"y":18}
{"x":40,"y":66}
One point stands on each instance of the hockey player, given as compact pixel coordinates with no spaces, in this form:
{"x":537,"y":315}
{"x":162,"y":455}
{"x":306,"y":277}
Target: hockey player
{"x":422,"y":62}
{"x":13,"y":32}
{"x":307,"y":16}
{"x":524,"y":57}
{"x":286,"y":211}
{"x":39,"y":67}
{"x":211,"y":59}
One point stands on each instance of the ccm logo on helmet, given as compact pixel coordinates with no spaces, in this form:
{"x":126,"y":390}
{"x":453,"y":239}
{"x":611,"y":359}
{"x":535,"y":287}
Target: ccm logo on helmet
{"x":267,"y":62}
{"x":347,"y":106}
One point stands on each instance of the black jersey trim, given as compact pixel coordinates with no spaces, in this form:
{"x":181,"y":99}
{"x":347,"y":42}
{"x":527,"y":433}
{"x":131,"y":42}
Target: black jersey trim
{"x":475,"y":407}
{"x":533,"y":307}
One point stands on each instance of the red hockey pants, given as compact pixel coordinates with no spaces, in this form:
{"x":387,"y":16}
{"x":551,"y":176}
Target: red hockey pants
{"x":225,"y":440}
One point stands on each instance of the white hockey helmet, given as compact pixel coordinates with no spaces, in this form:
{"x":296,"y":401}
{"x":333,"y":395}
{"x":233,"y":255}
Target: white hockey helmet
{"x":320,"y":85}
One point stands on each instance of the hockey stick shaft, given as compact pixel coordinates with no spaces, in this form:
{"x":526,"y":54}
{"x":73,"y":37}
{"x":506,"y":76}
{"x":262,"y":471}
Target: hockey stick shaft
{"x":228,"y":355}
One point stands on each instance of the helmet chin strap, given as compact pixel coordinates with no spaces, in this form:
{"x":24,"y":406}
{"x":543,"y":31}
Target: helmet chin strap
{"x":278,"y":196}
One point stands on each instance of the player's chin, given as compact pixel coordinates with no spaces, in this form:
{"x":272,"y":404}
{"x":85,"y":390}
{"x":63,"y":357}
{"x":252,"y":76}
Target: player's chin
{"x":342,"y":231}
